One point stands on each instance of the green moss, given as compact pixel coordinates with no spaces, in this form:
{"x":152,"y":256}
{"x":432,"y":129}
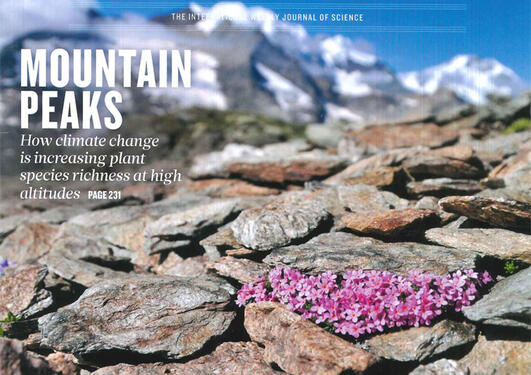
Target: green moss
{"x":10,"y":318}
{"x":519,"y":125}
{"x":510,"y":268}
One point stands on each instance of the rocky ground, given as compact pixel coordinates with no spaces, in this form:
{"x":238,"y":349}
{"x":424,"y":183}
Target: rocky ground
{"x":147,"y":285}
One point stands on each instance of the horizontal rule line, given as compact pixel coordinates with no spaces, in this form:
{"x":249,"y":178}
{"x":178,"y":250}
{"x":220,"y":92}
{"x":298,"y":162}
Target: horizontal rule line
{"x":243,"y":28}
{"x":418,"y":6}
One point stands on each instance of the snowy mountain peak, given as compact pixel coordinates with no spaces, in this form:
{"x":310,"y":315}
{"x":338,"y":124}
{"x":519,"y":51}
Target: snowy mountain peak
{"x":239,"y":15}
{"x":470,"y":77}
{"x":339,"y":51}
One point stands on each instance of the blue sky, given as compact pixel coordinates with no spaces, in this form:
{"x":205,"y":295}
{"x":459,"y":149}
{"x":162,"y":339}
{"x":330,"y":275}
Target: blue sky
{"x":487,"y":28}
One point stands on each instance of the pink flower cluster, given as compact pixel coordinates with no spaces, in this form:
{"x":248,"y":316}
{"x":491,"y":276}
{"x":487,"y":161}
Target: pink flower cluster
{"x":361,"y":302}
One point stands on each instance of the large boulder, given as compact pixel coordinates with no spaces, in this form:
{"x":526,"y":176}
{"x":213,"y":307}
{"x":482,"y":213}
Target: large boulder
{"x":300,"y":347}
{"x":166,"y":317}
{"x":230,"y":358}
{"x":421,"y":343}
{"x":292,"y":216}
{"x":496,"y":212}
{"x":340,"y":251}
{"x":507,"y":304}
{"x":498,"y":243}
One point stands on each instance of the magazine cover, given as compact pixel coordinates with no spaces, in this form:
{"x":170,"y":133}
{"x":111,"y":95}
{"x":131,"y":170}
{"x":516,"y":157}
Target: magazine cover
{"x":265,"y":187}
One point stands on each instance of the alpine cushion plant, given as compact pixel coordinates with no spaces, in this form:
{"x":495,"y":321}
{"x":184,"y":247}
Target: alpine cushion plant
{"x":362,"y":302}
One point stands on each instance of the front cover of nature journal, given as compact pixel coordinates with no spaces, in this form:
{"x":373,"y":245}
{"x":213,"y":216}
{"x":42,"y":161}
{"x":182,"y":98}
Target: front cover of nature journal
{"x":265,"y":187}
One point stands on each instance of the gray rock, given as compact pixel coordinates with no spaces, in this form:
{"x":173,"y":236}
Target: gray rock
{"x":499,"y":243}
{"x":365,"y":198}
{"x":241,"y":270}
{"x":175,"y":265}
{"x":392,"y":224}
{"x":22,"y":291}
{"x":299,"y":346}
{"x":78,"y":271}
{"x":219,"y":242}
{"x":52,"y":216}
{"x":230,"y":358}
{"x":177,"y":229}
{"x":10,"y":223}
{"x":506,"y":111}
{"x":441,"y":187}
{"x":498,"y":357}
{"x":15,"y":360}
{"x":215,"y":164}
{"x":387,"y":137}
{"x":511,"y":193}
{"x":441,"y":367}
{"x":290,"y":217}
{"x":29,"y":241}
{"x":58,"y":215}
{"x":502,"y":145}
{"x":507,"y":304}
{"x":431,"y":203}
{"x":86,"y":243}
{"x":383,"y":159}
{"x":325,"y":136}
{"x":495,"y":212}
{"x":421,"y":343}
{"x":340,"y":251}
{"x":164,"y":316}
{"x":124,"y":226}
{"x":438,"y":166}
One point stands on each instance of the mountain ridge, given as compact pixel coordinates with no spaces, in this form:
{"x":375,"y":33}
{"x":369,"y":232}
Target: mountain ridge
{"x":258,"y":64}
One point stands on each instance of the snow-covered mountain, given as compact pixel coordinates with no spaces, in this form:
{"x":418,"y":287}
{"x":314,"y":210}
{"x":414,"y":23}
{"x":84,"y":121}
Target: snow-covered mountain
{"x":470,"y":77}
{"x":243,"y":59}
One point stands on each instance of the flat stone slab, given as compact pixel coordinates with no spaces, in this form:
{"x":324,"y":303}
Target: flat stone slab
{"x":230,"y":188}
{"x":281,"y":163}
{"x":441,"y":367}
{"x":301,"y":169}
{"x":386,"y":137}
{"x":425,"y":166}
{"x":175,"y":265}
{"x":215,"y":164}
{"x":496,"y":212}
{"x":407,"y":223}
{"x":78,"y":271}
{"x":300,"y":347}
{"x":168,"y":317}
{"x":229,"y":358}
{"x":421,"y":343}
{"x":442,"y":187}
{"x":22,"y":291}
{"x":289,"y":217}
{"x":240,"y":269}
{"x":178,"y":229}
{"x":383,"y":177}
{"x":499,"y":243}
{"x":29,"y":241}
{"x":507,"y":304}
{"x":341,"y":251}
{"x":498,"y":357}
{"x":124,"y":226}
{"x":365,"y":198}
{"x":219,"y":242}
{"x":15,"y":360}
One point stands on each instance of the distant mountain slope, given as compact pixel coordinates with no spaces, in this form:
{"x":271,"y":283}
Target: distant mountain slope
{"x":470,"y":77}
{"x":256,"y":63}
